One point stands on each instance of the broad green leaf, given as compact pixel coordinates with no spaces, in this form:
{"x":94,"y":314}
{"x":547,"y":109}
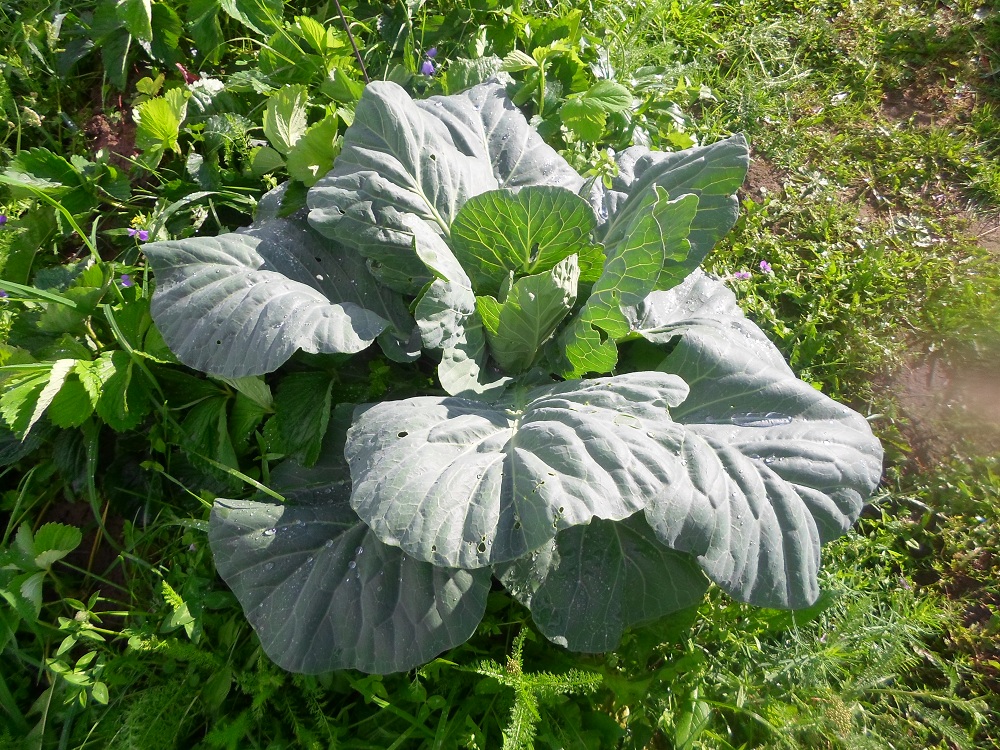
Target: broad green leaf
{"x":150,"y":86}
{"x":207,"y":433}
{"x":13,"y":447}
{"x":203,"y":25}
{"x":243,"y":303}
{"x":397,"y":159}
{"x":137,"y":15}
{"x":263,"y":16}
{"x":463,"y":74}
{"x":266,"y":160}
{"x":313,"y":32}
{"x":158,"y":122}
{"x":24,"y":593}
{"x":483,"y":123}
{"x":585,"y":118}
{"x":793,"y":466}
{"x":609,"y":96}
{"x":527,"y":232}
{"x":302,"y":413}
{"x":517,"y":61}
{"x":489,"y":312}
{"x":529,"y":315}
{"x":43,"y":165}
{"x":714,"y":173}
{"x":245,"y":416}
{"x":586,"y":348}
{"x":124,"y":399}
{"x":112,"y":38}
{"x":254,"y":388}
{"x":19,"y":399}
{"x":340,"y":87}
{"x":653,"y":247}
{"x":60,"y":370}
{"x":312,"y":155}
{"x":323,"y":593}
{"x":435,"y":253}
{"x":590,"y":583}
{"x":99,"y":691}
{"x":654,"y":244}
{"x":285,"y":117}
{"x":695,"y":716}
{"x":449,"y":322}
{"x":72,"y":405}
{"x":40,"y":169}
{"x":463,"y":483}
{"x":52,"y":542}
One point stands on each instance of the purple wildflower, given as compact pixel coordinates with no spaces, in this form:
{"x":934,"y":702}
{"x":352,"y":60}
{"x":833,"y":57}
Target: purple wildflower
{"x":427,"y":68}
{"x":126,"y":280}
{"x":765,"y":267}
{"x":142,"y":234}
{"x":3,"y":219}
{"x":432,"y":52}
{"x":3,"y":294}
{"x":741,"y":275}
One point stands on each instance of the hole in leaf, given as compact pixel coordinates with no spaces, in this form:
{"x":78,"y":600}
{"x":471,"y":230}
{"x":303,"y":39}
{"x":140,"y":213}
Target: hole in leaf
{"x":402,"y":434}
{"x":533,"y":256}
{"x":481,"y":547}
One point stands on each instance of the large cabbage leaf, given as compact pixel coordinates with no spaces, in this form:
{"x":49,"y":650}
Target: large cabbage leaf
{"x":323,"y":593}
{"x":485,"y":125}
{"x":714,"y":173}
{"x":242,"y":303}
{"x":591,"y":582}
{"x":465,"y":483}
{"x":771,"y":467}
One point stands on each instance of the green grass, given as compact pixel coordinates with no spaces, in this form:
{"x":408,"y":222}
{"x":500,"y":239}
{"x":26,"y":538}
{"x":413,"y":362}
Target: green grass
{"x":875,"y":128}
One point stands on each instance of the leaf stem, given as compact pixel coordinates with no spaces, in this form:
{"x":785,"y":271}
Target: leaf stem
{"x":354,"y":45}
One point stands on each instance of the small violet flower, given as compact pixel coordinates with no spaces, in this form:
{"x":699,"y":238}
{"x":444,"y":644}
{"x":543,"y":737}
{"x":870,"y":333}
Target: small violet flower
{"x":3,"y":294}
{"x":3,"y":219}
{"x":427,"y":67}
{"x":126,"y":280}
{"x":741,"y":275}
{"x":765,"y":267}
{"x":142,"y":234}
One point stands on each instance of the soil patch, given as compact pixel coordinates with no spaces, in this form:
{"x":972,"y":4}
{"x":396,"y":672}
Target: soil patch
{"x":947,"y":406}
{"x":986,"y":233}
{"x":116,"y":136}
{"x":763,"y":179}
{"x":927,"y":101}
{"x":95,"y":553}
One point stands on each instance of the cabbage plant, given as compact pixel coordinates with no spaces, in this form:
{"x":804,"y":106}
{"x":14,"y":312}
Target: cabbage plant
{"x":611,"y":434}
